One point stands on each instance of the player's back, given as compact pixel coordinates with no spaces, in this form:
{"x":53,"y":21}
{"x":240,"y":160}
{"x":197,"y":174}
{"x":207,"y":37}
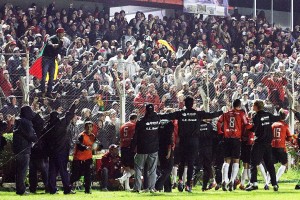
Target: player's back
{"x":127,"y":131}
{"x":233,"y":123}
{"x":280,"y":132}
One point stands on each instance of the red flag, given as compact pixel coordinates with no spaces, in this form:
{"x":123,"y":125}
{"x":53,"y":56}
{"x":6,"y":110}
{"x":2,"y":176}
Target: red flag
{"x":36,"y":68}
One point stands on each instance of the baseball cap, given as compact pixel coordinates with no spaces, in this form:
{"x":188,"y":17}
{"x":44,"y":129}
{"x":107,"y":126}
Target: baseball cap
{"x":119,"y":50}
{"x":88,"y":122}
{"x":113,"y":146}
{"x":16,"y":49}
{"x":60,"y":30}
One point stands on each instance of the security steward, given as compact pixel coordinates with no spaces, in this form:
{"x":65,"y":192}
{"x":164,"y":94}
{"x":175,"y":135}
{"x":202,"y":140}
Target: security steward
{"x":188,"y":130}
{"x":82,"y":160}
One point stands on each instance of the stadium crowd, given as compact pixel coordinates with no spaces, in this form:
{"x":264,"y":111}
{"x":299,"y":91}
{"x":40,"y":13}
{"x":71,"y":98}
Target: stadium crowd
{"x":215,"y":60}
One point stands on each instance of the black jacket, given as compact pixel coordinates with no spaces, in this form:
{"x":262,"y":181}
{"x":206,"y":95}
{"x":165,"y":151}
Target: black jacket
{"x":146,"y":138}
{"x":49,"y":50}
{"x":189,"y":121}
{"x":23,"y":133}
{"x":165,"y":131}
{"x":38,"y":150}
{"x":57,"y":139}
{"x":207,"y":134}
{"x":262,"y":126}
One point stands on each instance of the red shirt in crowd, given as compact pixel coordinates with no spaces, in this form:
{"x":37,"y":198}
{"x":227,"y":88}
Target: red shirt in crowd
{"x":126,"y":134}
{"x":234,"y":122}
{"x":154,"y":99}
{"x":5,"y":84}
{"x":112,"y":163}
{"x":281,"y":133}
{"x":275,"y":85}
{"x":139,"y":102}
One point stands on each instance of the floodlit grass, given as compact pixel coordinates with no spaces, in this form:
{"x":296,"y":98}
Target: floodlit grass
{"x":286,"y":192}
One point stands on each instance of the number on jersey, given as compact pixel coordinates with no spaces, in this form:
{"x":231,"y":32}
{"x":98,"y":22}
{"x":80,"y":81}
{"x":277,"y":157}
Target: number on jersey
{"x":125,"y":131}
{"x":232,"y":122}
{"x":277,"y":132}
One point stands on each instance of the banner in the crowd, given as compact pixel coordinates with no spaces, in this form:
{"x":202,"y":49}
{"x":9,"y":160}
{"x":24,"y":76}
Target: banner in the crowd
{"x":174,"y":2}
{"x":206,"y":7}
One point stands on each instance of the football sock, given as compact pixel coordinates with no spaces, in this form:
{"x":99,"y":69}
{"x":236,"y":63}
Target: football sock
{"x":249,"y":174}
{"x":174,"y":174}
{"x":268,"y":178}
{"x":280,"y":171}
{"x":225,"y":169}
{"x":127,"y":187}
{"x":244,"y":176}
{"x":127,"y":175}
{"x":263,"y":173}
{"x":235,"y":171}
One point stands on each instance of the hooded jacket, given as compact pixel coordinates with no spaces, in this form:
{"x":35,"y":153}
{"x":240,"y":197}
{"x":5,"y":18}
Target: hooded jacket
{"x":146,"y":139}
{"x":23,"y":132}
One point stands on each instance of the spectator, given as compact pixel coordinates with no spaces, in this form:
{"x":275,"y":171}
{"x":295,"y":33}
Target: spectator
{"x":38,"y":157}
{"x":23,"y":137}
{"x":58,"y":148}
{"x":110,"y":169}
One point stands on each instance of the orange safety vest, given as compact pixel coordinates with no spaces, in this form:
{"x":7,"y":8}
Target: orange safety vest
{"x":88,"y":140}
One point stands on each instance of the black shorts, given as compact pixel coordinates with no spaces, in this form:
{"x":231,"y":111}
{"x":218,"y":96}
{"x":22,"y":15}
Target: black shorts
{"x":232,"y":148}
{"x":279,"y":156}
{"x":127,"y":157}
{"x":246,"y":152}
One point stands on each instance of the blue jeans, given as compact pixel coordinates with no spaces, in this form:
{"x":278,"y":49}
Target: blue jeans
{"x":58,"y":163}
{"x":48,"y":65}
{"x":22,"y":164}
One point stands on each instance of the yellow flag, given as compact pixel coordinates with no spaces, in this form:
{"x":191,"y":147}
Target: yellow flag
{"x":166,"y":44}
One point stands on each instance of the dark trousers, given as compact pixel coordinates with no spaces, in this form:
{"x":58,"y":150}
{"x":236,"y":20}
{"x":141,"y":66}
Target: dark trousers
{"x":104,"y":177}
{"x":22,"y":164}
{"x":259,"y":153}
{"x":105,"y":183}
{"x":166,"y":166}
{"x":218,"y":160}
{"x":48,"y":66}
{"x":58,"y":163}
{"x":80,"y":168}
{"x":35,"y":165}
{"x":205,"y":160}
{"x":188,"y":153}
